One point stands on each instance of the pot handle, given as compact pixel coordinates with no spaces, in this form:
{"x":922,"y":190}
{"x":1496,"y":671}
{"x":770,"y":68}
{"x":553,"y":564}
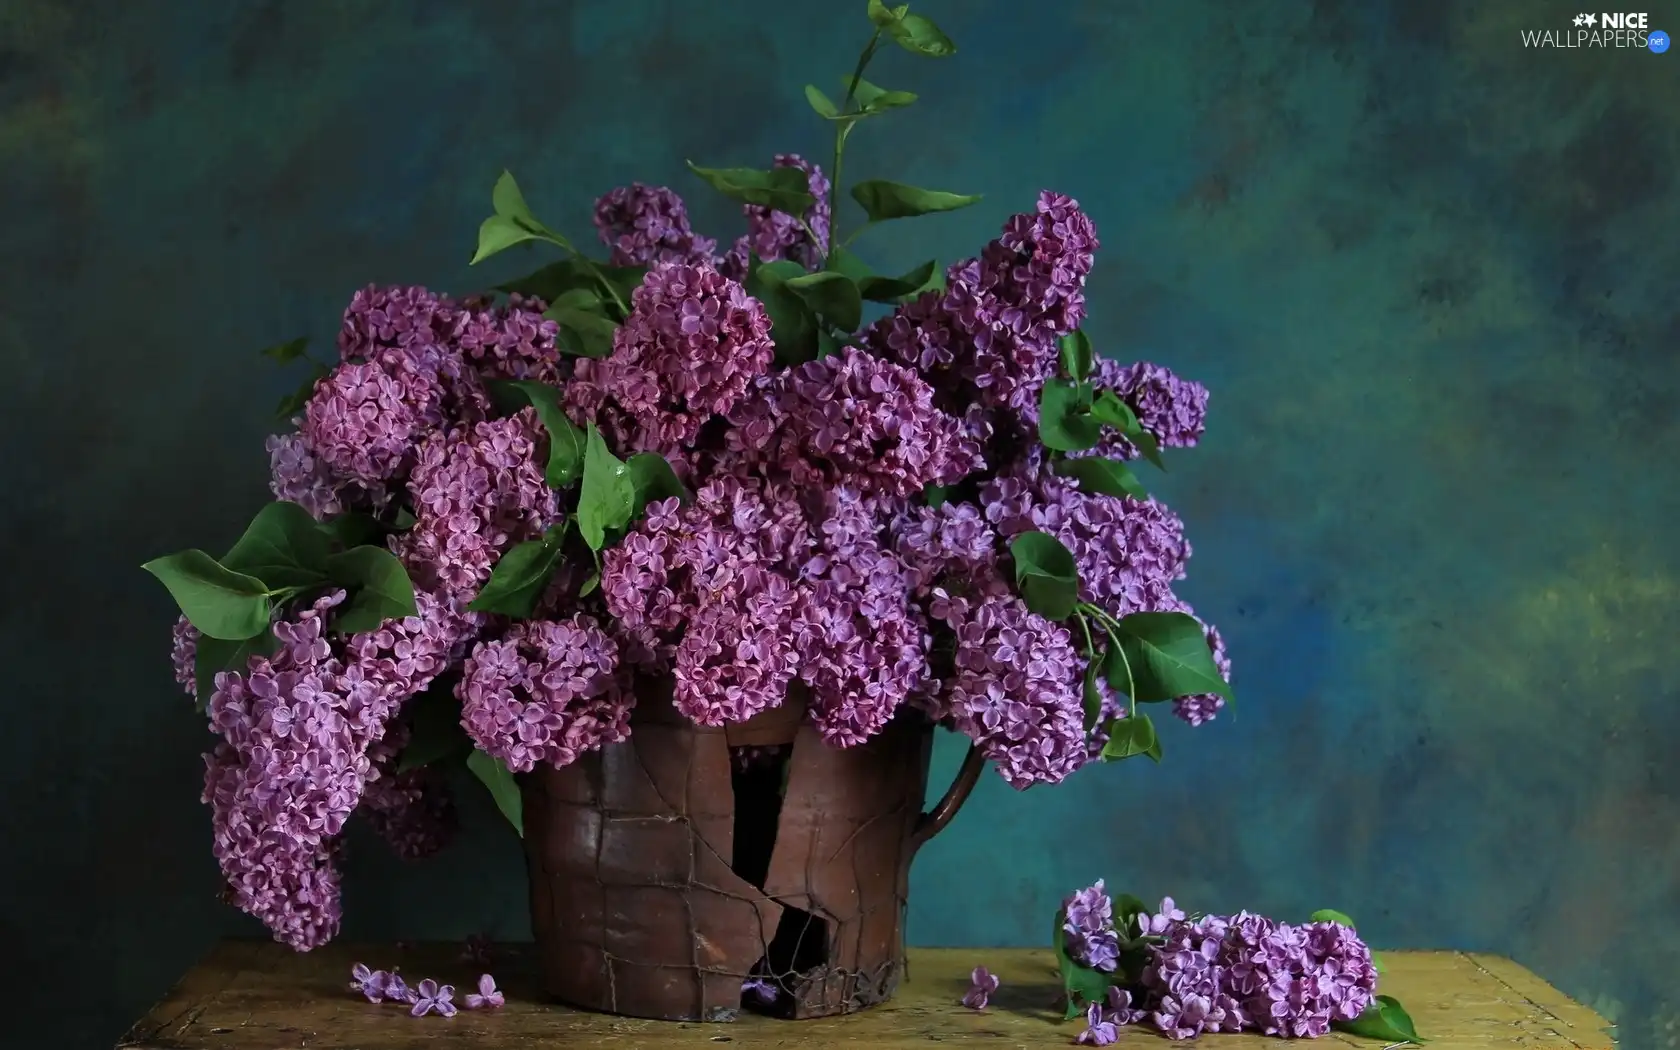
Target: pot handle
{"x":934,"y":820}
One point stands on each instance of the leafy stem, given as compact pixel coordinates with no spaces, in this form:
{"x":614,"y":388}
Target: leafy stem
{"x":595,"y":272}
{"x":842,"y":129}
{"x":1109,"y":624}
{"x":1085,"y":627}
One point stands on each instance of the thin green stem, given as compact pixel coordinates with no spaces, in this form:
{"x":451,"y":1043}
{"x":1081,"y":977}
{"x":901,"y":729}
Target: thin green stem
{"x":808,"y":231}
{"x":1109,"y":623}
{"x":843,"y":129}
{"x":1090,"y":648}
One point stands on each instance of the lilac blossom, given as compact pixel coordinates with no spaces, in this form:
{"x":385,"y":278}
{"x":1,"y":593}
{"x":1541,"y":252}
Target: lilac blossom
{"x":488,"y":995}
{"x":993,"y":331}
{"x":1099,"y":1030}
{"x":476,"y":490}
{"x":183,"y":654}
{"x":982,"y":985}
{"x":643,"y":225}
{"x":431,"y":997}
{"x":370,"y":983}
{"x":1015,"y":690}
{"x":1218,"y":973}
{"x":297,"y":476}
{"x":692,"y":345}
{"x":1129,"y":551}
{"x":860,"y":636}
{"x":856,"y":421}
{"x":760,"y":990}
{"x":773,"y":236}
{"x":708,"y":591}
{"x":546,"y":691}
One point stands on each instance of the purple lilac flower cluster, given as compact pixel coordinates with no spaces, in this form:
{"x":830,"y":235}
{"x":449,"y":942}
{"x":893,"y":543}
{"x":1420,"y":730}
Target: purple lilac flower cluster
{"x":426,"y":997}
{"x":805,"y":560}
{"x":992,"y":333}
{"x":1218,"y":973}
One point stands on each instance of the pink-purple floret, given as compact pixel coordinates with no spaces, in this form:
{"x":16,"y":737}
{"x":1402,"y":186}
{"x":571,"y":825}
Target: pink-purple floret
{"x":805,"y":554}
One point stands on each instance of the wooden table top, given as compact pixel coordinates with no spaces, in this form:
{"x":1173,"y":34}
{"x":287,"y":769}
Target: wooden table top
{"x":261,"y":996}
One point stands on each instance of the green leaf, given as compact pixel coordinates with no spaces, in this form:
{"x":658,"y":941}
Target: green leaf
{"x":590,"y":585}
{"x":1064,"y":420}
{"x":833,"y":296}
{"x":283,"y":547}
{"x":1109,"y":410}
{"x":1082,"y":984}
{"x":1093,"y":696}
{"x":892,"y":289}
{"x":520,"y":577}
{"x":872,"y":99}
{"x":294,"y":402}
{"x":782,"y":189}
{"x":288,"y":351}
{"x":792,"y":327}
{"x":608,"y":493}
{"x":1131,"y":735}
{"x":1384,"y":1019}
{"x":219,"y":602}
{"x":583,"y":333}
{"x":378,"y":585}
{"x":499,"y":779}
{"x":936,"y":495}
{"x":918,"y":35}
{"x":507,"y":200}
{"x":882,"y":200}
{"x":352,"y":529}
{"x":435,"y":730}
{"x":1046,"y":574}
{"x":214,"y":654}
{"x":1169,"y":657}
{"x":1330,"y":915}
{"x":512,"y":222}
{"x":820,"y":102}
{"x":827,"y":344}
{"x":570,"y":275}
{"x":842,"y":260}
{"x":1126,"y":909}
{"x":884,"y":16}
{"x":565,"y":440}
{"x":652,"y":479}
{"x":1077,"y":356}
{"x":1115,"y":672}
{"x":1103,"y":477}
{"x":497,"y":234}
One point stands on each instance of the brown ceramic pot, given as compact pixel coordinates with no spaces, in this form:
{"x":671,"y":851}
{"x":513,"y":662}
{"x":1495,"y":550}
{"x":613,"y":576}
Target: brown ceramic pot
{"x":663,"y":877}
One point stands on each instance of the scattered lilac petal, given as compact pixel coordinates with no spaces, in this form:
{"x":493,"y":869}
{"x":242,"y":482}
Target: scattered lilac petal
{"x":488,"y":995}
{"x":982,"y":984}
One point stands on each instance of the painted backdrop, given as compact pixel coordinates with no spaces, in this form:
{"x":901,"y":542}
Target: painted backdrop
{"x":1427,"y":273}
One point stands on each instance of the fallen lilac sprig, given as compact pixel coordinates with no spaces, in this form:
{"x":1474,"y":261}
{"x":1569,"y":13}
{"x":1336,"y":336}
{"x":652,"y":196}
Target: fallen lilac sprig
{"x":1184,"y":975}
{"x":982,"y":984}
{"x":487,"y":996}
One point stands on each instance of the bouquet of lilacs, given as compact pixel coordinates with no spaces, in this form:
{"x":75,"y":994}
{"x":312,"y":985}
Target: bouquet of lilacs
{"x":764,"y":474}
{"x":1122,"y":963}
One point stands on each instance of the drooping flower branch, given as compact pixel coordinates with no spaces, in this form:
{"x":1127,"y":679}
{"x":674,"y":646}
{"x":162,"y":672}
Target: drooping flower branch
{"x":753,"y":472}
{"x":1122,"y":963}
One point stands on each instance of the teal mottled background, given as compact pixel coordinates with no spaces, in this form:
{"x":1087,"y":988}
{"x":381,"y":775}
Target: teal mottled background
{"x":1428,"y":274}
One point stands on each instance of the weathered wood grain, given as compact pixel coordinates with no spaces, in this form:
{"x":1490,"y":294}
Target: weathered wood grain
{"x":247,"y":996}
